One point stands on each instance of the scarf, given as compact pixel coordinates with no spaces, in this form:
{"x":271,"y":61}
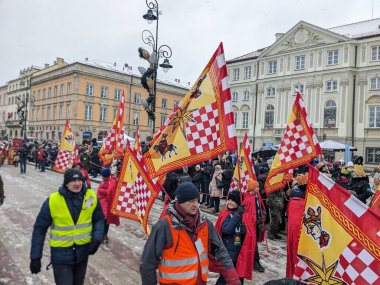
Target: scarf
{"x":189,"y":220}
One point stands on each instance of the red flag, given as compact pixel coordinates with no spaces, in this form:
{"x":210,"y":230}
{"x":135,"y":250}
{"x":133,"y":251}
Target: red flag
{"x":339,"y":236}
{"x":299,"y":146}
{"x":112,"y":147}
{"x":136,"y":191}
{"x":66,"y":153}
{"x":202,"y":125}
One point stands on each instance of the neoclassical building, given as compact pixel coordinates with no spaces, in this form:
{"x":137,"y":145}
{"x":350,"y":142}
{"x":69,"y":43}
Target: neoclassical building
{"x":337,"y":70}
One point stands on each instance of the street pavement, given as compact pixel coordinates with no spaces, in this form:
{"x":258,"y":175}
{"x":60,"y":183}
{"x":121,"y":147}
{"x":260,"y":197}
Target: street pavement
{"x":115,"y":263}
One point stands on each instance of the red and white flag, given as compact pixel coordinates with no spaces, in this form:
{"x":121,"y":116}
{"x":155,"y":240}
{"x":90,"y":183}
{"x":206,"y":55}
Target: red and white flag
{"x":66,"y":153}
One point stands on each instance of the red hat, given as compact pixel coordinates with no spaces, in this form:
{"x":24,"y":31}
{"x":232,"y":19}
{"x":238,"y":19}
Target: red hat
{"x":252,"y":184}
{"x":76,"y":162}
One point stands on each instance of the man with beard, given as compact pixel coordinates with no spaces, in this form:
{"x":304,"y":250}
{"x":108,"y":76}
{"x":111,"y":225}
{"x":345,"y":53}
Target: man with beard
{"x":183,"y":244}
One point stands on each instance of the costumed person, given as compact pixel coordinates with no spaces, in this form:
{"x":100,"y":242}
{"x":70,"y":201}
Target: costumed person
{"x":238,"y":235}
{"x":295,"y":213}
{"x":106,"y":192}
{"x":183,"y":244}
{"x":11,"y":153}
{"x":77,"y":164}
{"x":76,"y":223}
{"x":275,"y":203}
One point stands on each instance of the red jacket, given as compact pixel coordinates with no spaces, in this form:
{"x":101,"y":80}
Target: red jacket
{"x":106,"y":192}
{"x":244,"y":264}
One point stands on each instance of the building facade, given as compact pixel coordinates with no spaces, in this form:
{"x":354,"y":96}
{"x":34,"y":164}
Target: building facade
{"x":88,"y":94}
{"x":336,"y":70}
{"x":3,"y":111}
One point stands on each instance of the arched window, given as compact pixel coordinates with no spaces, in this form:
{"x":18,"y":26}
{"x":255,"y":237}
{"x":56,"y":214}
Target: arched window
{"x":329,"y":118}
{"x":269,"y":116}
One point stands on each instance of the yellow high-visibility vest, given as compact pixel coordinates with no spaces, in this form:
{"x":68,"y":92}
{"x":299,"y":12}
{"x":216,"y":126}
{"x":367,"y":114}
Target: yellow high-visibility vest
{"x":63,"y":231}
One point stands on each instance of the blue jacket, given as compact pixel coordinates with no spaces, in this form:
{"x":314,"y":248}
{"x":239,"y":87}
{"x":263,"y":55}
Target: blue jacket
{"x":66,"y":255}
{"x":229,"y":226}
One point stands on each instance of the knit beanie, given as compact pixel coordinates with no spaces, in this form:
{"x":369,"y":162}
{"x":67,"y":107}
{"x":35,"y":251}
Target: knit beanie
{"x":234,"y":196}
{"x":105,"y":172}
{"x":252,"y":184}
{"x":186,"y":191}
{"x":72,"y":174}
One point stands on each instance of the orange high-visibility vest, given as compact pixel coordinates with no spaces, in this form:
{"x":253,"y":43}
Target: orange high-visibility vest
{"x":180,"y":264}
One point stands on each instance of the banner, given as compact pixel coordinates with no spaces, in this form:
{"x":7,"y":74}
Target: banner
{"x":201,"y":126}
{"x":66,"y":153}
{"x":244,"y":168}
{"x":112,"y":147}
{"x":136,"y":191}
{"x":299,"y":146}
{"x":339,"y":237}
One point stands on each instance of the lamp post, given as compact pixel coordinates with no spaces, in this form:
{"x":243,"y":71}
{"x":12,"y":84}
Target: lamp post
{"x":24,"y":105}
{"x":149,"y":75}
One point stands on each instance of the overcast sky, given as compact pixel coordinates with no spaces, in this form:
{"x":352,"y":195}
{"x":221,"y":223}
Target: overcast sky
{"x":35,"y":32}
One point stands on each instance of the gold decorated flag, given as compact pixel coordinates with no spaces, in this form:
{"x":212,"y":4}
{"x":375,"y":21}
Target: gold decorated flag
{"x":339,"y":237}
{"x":200,"y":127}
{"x":66,"y":153}
{"x":244,"y":168}
{"x":112,"y":147}
{"x":136,"y":191}
{"x":298,"y":146}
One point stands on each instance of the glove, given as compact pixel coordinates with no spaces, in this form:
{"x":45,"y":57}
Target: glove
{"x":35,"y":266}
{"x":241,"y":210}
{"x":93,"y":247}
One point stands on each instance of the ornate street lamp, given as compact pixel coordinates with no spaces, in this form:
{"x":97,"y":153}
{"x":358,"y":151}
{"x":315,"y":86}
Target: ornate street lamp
{"x":149,"y":75}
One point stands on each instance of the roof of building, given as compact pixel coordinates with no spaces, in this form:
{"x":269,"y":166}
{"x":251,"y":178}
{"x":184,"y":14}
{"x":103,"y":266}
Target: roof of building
{"x":132,"y":72}
{"x":357,"y":30}
{"x":251,"y":55}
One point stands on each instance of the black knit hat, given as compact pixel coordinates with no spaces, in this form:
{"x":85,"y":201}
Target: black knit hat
{"x":234,"y":196}
{"x":186,"y":191}
{"x":72,"y":174}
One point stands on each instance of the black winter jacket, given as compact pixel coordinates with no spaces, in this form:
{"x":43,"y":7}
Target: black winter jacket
{"x":360,"y":185}
{"x":66,"y":255}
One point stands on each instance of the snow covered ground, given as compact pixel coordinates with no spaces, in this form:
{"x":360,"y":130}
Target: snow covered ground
{"x":115,"y":263}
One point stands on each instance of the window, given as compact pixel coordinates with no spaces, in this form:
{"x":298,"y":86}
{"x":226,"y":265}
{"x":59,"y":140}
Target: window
{"x":164,"y":102}
{"x":44,"y":93}
{"x":55,"y":91}
{"x":60,"y":111}
{"x":300,"y":62}
{"x":62,"y":90}
{"x":374,"y":116}
{"x":54,"y":112}
{"x":373,"y":155}
{"x":117,"y":94}
{"x":375,"y":53}
{"x":163,"y":119}
{"x":90,"y":89}
{"x":247,"y":72}
{"x":103,"y":92}
{"x":39,"y":94}
{"x":331,"y":86}
{"x":269,"y":117}
{"x":68,"y":111}
{"x":329,"y":118}
{"x":244,"y":122}
{"x":236,"y":72}
{"x":235,"y":118}
{"x":37,"y":114}
{"x":375,"y":83}
{"x":298,"y":87}
{"x":103,"y":114}
{"x":69,"y":88}
{"x":332,"y":57}
{"x":272,"y":67}
{"x":136,"y":119}
{"x":235,"y":96}
{"x":114,"y":112}
{"x":49,"y":92}
{"x":43,"y":114}
{"x":137,"y":98}
{"x":176,"y":103}
{"x":48,"y":113}
{"x":88,"y":112}
{"x":246,"y":96}
{"x":271,"y":92}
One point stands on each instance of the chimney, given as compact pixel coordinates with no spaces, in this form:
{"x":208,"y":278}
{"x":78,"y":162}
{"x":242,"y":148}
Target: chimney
{"x":278,"y":36}
{"x":46,"y":65}
{"x":86,"y":59}
{"x":114,"y":64}
{"x":60,"y":60}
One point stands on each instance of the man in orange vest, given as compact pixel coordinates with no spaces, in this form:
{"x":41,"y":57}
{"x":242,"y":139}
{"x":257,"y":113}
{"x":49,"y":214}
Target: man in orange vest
{"x":183,"y":244}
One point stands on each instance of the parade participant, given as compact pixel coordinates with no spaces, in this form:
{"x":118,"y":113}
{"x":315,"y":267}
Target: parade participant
{"x":295,"y":213}
{"x":275,"y":203}
{"x":321,"y":166}
{"x":359,"y":185}
{"x":78,"y":165}
{"x":16,"y":159}
{"x":106,"y":192}
{"x":76,"y":223}
{"x":183,"y":243}
{"x":23,"y":157}
{"x":238,"y":235}
{"x":42,"y":156}
{"x":206,"y":169}
{"x":216,"y":187}
{"x":11,"y":153}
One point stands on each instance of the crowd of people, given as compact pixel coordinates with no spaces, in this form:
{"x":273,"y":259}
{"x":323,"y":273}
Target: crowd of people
{"x":183,"y":245}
